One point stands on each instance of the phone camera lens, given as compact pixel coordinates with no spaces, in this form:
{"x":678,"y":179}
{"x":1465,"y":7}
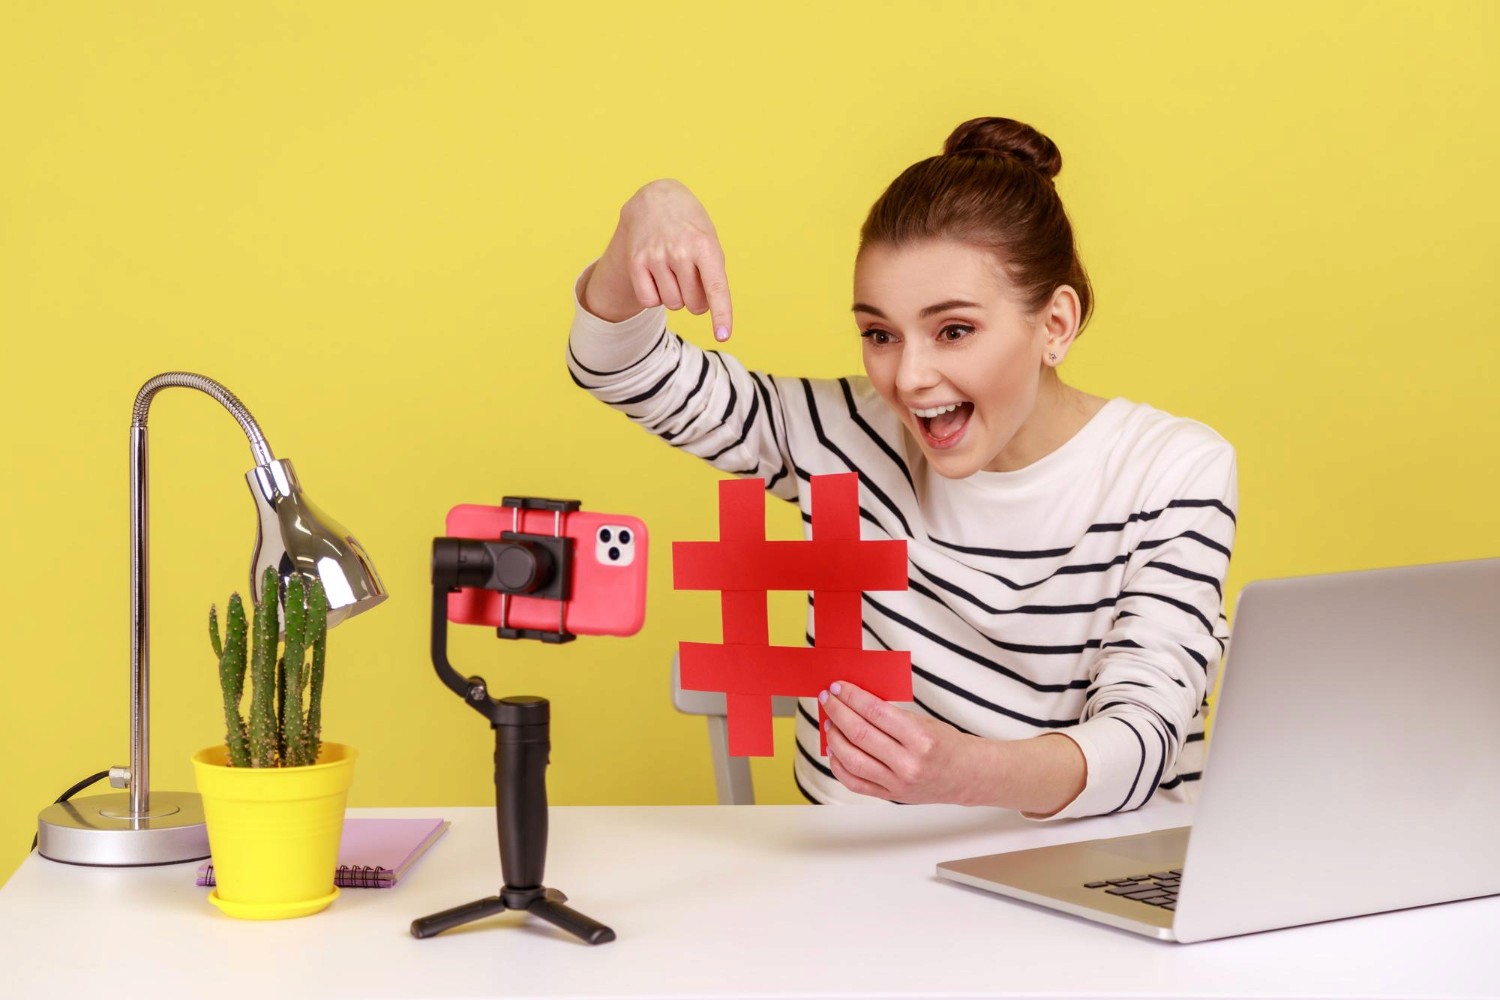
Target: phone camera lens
{"x":614,"y":553}
{"x":624,"y":537}
{"x":605,"y":536}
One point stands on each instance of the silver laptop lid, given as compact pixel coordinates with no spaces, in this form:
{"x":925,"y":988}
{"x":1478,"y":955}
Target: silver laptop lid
{"x":1354,"y":763}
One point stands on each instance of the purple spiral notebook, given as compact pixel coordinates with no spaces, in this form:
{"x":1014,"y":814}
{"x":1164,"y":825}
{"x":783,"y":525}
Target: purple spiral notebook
{"x":373,"y":853}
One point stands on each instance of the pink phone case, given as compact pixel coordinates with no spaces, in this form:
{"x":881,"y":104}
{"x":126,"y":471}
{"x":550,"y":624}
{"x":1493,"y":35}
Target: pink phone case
{"x":609,"y":572}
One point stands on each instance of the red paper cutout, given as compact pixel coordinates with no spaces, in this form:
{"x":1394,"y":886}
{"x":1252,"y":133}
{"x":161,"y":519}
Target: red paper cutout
{"x":834,"y":564}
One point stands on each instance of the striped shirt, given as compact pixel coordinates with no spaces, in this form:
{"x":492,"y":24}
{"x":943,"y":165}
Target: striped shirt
{"x":1082,"y":594}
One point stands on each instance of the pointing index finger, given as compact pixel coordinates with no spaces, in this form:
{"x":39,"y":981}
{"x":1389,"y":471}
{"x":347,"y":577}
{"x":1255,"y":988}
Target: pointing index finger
{"x":716,"y":287}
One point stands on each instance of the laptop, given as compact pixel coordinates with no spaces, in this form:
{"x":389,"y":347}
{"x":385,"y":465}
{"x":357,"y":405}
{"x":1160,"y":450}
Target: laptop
{"x":1354,"y":768}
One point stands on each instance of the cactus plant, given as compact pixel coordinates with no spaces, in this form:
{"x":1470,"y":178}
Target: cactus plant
{"x":285,"y":721}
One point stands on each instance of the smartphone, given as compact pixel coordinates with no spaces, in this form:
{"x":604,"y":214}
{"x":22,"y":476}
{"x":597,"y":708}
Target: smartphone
{"x":609,"y":572}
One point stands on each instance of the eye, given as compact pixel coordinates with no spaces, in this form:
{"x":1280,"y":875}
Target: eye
{"x":876,"y":336}
{"x":953,"y":332}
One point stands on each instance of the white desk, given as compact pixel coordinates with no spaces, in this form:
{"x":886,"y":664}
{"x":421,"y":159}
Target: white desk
{"x":708,"y":901}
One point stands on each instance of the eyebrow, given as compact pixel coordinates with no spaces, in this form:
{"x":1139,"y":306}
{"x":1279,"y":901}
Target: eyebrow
{"x":939,"y":307}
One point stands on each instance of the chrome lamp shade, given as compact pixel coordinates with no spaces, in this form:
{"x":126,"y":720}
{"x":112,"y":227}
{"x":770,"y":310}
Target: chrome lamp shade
{"x":294,"y":536}
{"x":141,"y":827}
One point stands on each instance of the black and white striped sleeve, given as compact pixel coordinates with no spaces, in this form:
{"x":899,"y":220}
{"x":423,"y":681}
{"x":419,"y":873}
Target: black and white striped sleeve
{"x":1159,"y":659}
{"x":704,"y":402}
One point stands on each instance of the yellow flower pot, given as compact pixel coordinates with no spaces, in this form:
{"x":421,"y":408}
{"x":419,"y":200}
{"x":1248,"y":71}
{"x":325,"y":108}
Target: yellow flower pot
{"x":274,"y":831}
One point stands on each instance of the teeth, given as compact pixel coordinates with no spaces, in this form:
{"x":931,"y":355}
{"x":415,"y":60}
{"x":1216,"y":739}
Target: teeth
{"x":936,"y":410}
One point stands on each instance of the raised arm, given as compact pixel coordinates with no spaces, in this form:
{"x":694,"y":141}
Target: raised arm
{"x":665,"y":255}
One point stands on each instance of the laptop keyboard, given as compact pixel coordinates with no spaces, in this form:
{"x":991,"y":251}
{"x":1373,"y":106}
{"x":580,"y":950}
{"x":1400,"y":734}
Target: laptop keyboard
{"x":1154,"y":888}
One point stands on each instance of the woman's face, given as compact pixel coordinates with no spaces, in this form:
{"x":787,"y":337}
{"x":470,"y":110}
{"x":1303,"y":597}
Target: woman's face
{"x":948,"y":347}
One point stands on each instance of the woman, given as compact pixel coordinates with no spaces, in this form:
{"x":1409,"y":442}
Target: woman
{"x":1067,"y":553}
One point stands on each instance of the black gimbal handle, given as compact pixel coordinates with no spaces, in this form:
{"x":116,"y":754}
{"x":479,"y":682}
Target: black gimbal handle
{"x":522,"y":745}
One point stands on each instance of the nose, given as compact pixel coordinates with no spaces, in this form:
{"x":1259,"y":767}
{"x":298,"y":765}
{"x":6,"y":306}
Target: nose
{"x":917,"y":370}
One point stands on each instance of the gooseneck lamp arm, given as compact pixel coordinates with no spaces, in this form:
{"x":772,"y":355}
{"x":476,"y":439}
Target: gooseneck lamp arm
{"x":139,"y":777}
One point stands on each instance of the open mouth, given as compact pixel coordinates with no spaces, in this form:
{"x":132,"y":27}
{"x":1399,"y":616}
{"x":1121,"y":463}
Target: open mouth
{"x":945,"y":429}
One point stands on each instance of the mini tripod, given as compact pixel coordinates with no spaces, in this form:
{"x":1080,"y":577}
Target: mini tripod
{"x":538,"y":566}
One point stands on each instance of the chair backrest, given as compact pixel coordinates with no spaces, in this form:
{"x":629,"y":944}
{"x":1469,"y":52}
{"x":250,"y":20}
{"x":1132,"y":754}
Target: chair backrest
{"x":731,"y":774}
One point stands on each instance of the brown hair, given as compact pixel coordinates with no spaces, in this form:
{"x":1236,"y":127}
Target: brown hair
{"x":991,"y":188}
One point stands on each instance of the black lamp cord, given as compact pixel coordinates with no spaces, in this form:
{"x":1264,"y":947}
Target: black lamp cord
{"x":65,"y":796}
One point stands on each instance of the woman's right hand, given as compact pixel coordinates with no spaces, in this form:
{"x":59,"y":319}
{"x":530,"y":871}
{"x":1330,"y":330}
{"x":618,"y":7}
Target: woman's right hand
{"x":665,"y":251}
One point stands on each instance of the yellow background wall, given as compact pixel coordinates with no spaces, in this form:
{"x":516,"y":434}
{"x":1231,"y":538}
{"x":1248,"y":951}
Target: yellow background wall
{"x":365,"y":219}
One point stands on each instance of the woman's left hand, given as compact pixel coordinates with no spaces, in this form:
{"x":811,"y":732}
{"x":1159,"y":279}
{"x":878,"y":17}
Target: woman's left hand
{"x":877,"y":748}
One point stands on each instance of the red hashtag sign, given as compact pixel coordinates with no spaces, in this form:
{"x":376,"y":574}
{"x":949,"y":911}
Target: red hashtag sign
{"x":835,"y":565}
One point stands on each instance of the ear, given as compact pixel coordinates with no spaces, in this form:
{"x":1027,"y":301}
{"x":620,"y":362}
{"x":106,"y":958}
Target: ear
{"x":1059,"y":323}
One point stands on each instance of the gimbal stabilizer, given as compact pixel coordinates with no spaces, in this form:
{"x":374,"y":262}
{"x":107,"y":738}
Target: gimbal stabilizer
{"x":537,"y":566}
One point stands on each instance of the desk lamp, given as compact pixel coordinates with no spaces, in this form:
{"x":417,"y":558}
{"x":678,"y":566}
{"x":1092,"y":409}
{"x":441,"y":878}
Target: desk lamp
{"x":139,"y":827}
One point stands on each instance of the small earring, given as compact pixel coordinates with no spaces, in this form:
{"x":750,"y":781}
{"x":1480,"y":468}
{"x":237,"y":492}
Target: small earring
{"x":1052,"y":358}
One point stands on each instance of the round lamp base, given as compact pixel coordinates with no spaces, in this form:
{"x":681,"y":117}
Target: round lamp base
{"x":99,"y":830}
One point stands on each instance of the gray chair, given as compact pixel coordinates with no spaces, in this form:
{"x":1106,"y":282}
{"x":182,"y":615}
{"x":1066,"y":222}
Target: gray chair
{"x":731,"y":774}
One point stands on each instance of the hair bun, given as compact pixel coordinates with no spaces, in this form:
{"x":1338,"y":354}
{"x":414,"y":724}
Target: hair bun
{"x":1006,"y":137}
